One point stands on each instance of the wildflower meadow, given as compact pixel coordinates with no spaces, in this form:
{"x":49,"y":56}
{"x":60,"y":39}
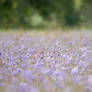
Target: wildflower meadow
{"x":46,"y":61}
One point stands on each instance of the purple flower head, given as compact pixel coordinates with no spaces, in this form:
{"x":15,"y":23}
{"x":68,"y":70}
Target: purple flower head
{"x":33,"y":89}
{"x":78,"y":79}
{"x":46,"y":71}
{"x":86,"y":43}
{"x":90,"y":80}
{"x":10,"y":64}
{"x":75,"y":71}
{"x":16,"y":72}
{"x":66,"y":56}
{"x":28,"y":75}
{"x":0,"y":53}
{"x":59,"y":85}
{"x":23,"y":87}
{"x":82,"y":63}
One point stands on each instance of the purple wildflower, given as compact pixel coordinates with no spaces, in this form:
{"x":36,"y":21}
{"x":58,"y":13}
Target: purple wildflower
{"x":75,"y":71}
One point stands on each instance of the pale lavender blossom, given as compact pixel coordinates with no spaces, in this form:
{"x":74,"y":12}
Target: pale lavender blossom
{"x":75,"y":71}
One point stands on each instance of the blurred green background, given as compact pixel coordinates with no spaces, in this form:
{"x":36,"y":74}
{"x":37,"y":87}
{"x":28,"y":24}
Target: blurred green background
{"x":45,"y":13}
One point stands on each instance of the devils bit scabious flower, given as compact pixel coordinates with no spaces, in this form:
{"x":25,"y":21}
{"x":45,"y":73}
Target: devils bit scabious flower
{"x":75,"y":71}
{"x":31,"y":63}
{"x":90,"y":80}
{"x":0,"y":53}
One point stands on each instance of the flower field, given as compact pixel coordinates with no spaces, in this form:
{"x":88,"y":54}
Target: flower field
{"x":46,"y":61}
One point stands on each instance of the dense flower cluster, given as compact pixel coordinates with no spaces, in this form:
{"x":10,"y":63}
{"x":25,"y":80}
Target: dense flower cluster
{"x":38,"y":62}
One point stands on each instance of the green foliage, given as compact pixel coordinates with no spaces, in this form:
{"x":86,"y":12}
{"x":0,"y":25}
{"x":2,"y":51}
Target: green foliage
{"x":34,"y":13}
{"x":70,"y":15}
{"x":85,"y":10}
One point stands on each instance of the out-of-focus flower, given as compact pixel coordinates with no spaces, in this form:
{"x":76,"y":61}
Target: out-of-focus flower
{"x":75,"y":71}
{"x":90,"y":80}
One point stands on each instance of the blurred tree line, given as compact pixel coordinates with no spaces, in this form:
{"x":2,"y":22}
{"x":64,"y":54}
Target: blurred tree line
{"x":40,"y":13}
